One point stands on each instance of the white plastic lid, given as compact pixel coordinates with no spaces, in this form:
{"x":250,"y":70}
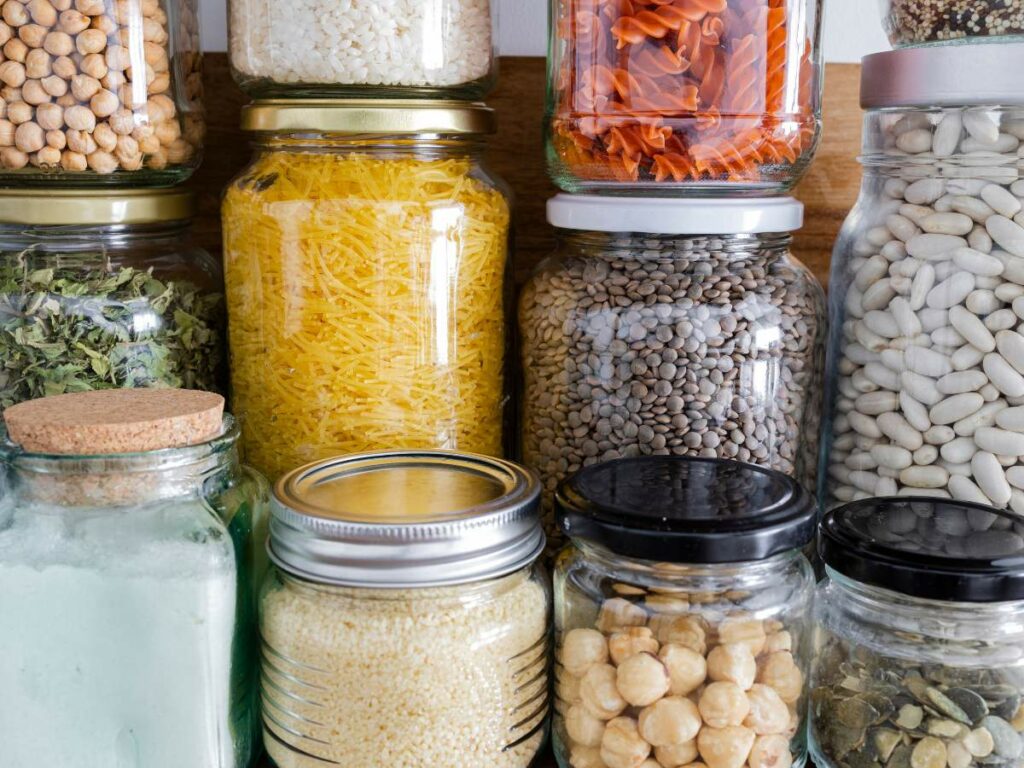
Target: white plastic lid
{"x":674,"y":216}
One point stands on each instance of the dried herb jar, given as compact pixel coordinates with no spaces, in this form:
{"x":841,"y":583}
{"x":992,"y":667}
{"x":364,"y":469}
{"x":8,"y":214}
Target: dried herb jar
{"x":103,"y":290}
{"x":682,"y":612}
{"x":132,"y":544}
{"x":920,"y":642}
{"x":407,"y":615}
{"x":667,"y":327}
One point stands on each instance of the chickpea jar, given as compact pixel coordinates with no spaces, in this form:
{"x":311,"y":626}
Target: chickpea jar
{"x":681,"y":611}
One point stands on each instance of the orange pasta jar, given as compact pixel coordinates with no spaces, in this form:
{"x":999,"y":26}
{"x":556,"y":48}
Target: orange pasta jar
{"x":683,"y":96}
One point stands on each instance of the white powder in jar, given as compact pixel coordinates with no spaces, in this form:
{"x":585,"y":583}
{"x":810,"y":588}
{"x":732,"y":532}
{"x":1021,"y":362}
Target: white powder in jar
{"x":446,"y":678}
{"x":418,"y":43}
{"x":116,"y":634}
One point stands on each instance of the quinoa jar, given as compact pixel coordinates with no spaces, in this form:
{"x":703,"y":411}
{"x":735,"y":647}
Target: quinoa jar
{"x":131,"y":550}
{"x":926,"y":371}
{"x":366,"y":261}
{"x":679,"y":98}
{"x":100,"y":91}
{"x":919,"y":22}
{"x":920,"y":642}
{"x":103,"y":290}
{"x":682,"y":612}
{"x":397,"y":49}
{"x":664,"y":327}
{"x":407,"y":620}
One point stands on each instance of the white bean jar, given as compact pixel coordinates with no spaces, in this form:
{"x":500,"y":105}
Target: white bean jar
{"x":926,"y":385}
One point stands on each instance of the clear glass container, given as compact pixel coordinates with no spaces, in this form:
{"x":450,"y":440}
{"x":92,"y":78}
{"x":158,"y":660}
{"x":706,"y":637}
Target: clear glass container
{"x":367,"y":283}
{"x":128,"y":587}
{"x":920,"y":631}
{"x":710,"y":97}
{"x":407,"y":615}
{"x":682,"y":615}
{"x":925,"y":374}
{"x":100,"y":92}
{"x":426,"y":49}
{"x":105,"y":290}
{"x":665,"y":327}
{"x":919,"y":22}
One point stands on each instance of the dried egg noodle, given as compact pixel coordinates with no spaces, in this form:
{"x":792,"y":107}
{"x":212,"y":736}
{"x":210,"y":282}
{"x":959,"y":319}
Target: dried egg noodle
{"x":366,"y":304}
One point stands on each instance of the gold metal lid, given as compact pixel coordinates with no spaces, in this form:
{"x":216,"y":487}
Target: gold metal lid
{"x":381,"y":116}
{"x":62,"y":207}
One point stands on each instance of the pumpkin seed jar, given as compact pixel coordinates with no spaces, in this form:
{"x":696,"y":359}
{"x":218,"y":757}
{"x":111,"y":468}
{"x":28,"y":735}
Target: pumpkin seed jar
{"x":920,"y":643}
{"x":682,"y":615}
{"x":406,"y":623}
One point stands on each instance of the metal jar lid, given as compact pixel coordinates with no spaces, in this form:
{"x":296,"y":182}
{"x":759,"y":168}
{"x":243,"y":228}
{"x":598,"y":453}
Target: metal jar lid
{"x":374,"y":116}
{"x":63,"y":207}
{"x":400,"y":519}
{"x":983,"y":74}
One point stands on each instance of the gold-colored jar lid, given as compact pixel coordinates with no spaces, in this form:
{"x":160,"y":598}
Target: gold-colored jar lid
{"x":366,"y":116}
{"x":61,"y":207}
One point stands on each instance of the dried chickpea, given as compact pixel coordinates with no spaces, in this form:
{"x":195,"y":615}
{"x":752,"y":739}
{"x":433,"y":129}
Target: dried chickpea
{"x":12,"y":73}
{"x":687,"y":669}
{"x":778,"y":641}
{"x":582,"y":727}
{"x":72,"y":22}
{"x":686,"y":631}
{"x":32,"y":35}
{"x":94,"y":66}
{"x":84,"y":87}
{"x":599,"y":694}
{"x":104,"y":103}
{"x":622,"y":746}
{"x":615,"y":612}
{"x":42,"y":12}
{"x":780,"y":672}
{"x":582,"y":649}
{"x":628,"y":642}
{"x":56,"y":139}
{"x":122,"y":122}
{"x":155,"y":159}
{"x":47,"y":156}
{"x":642,"y":679}
{"x":15,"y":14}
{"x":90,"y":41}
{"x":586,"y":757}
{"x":668,"y":721}
{"x":67,"y":100}
{"x":677,"y":755}
{"x":7,"y":130}
{"x":55,"y":86}
{"x":33,"y":93}
{"x":80,"y":118}
{"x":12,"y":157}
{"x":80,"y":141}
{"x":102,"y":162}
{"x":105,"y":138}
{"x":167,"y":132}
{"x":725,"y":747}
{"x":567,"y":687}
{"x":15,"y":49}
{"x":743,"y":630}
{"x":723,"y":704}
{"x":90,"y":7}
{"x":19,"y":112}
{"x":733,"y":662}
{"x":38,"y":64}
{"x":29,"y":138}
{"x":50,"y":117}
{"x":59,"y":44}
{"x":6,"y":33}
{"x":64,"y":67}
{"x":768,"y":712}
{"x":672,"y":605}
{"x":770,"y":752}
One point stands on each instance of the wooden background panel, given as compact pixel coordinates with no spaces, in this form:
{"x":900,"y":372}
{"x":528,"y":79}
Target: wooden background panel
{"x":516,"y":154}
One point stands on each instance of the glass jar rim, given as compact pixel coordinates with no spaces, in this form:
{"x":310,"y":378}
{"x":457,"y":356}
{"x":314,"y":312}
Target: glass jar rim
{"x":80,"y":207}
{"x":391,"y":117}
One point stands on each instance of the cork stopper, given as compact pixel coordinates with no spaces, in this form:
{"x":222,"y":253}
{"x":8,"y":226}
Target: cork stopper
{"x":115,"y":421}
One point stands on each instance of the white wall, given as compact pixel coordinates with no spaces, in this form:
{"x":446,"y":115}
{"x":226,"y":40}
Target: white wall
{"x":852,"y":28}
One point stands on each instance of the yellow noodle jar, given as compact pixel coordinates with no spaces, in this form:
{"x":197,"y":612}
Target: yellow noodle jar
{"x":366,"y":254}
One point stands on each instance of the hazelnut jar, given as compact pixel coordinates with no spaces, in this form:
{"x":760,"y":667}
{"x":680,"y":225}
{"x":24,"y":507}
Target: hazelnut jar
{"x":681,"y":615}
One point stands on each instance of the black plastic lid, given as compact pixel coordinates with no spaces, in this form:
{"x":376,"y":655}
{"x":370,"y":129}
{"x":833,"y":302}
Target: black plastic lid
{"x":934,"y":549}
{"x":686,"y":510}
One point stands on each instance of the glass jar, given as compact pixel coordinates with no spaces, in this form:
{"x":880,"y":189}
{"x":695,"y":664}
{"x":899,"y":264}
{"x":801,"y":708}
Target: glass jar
{"x":671,"y":328}
{"x":407,"y":618}
{"x":366,"y":256}
{"x":426,"y":49}
{"x":105,"y":290}
{"x":920,"y":636}
{"x":916,"y":22}
{"x":926,"y":376}
{"x":681,"y":615}
{"x":100,"y":93}
{"x":711,"y":97}
{"x":128,"y":584}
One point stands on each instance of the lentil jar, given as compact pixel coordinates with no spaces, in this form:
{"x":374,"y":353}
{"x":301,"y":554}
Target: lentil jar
{"x":664,"y":327}
{"x":105,"y":290}
{"x":713,"y":97}
{"x":131,"y":544}
{"x":920,"y":645}
{"x":366,"y":259}
{"x":926,"y":371}
{"x":100,"y":91}
{"x":916,"y":22}
{"x":682,"y":612}
{"x":395,"y":49}
{"x":407,"y":619}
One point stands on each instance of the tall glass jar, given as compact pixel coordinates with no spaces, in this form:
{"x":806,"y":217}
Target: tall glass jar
{"x":710,"y":97}
{"x":682,"y":612}
{"x":407,"y":620}
{"x":131,"y":544}
{"x":920,"y":647}
{"x":104,"y":290}
{"x":100,"y":92}
{"x":926,"y":371}
{"x":425,"y":49}
{"x":917,"y":22}
{"x":664,"y":327}
{"x":366,"y":259}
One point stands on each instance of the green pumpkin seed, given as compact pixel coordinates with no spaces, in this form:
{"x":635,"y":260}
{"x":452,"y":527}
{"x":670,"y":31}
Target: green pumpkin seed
{"x":946,"y":706}
{"x":1007,"y":742}
{"x":910,"y":717}
{"x":972,"y":704}
{"x":885,"y":742}
{"x":929,"y":752}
